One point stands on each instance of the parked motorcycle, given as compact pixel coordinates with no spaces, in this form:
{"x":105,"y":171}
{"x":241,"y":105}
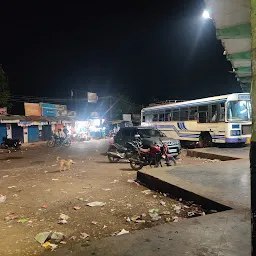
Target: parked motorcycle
{"x":116,"y":152}
{"x":10,"y":143}
{"x":151,"y":156}
{"x":57,"y":141}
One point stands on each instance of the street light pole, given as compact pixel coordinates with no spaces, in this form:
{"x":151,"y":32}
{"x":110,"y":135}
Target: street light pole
{"x":253,"y":139}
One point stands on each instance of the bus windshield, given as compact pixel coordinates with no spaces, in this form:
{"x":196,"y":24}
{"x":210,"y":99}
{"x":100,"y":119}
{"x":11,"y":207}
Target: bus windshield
{"x":240,"y":110}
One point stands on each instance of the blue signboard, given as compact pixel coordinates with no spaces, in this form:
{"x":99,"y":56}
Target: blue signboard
{"x":48,"y":110}
{"x":244,"y":96}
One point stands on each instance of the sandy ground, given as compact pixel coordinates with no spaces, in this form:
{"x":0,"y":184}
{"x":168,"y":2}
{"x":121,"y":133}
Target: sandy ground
{"x":37,"y":193}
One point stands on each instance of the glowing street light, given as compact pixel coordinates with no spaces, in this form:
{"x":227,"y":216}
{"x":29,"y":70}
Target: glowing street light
{"x":206,"y":15}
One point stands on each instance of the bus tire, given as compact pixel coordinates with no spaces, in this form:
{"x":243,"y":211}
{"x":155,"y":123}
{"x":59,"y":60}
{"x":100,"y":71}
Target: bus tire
{"x":205,"y":140}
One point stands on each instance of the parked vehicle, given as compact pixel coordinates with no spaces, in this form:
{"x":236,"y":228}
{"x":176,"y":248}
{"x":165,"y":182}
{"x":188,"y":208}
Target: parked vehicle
{"x":116,"y":151}
{"x":151,"y":156}
{"x":149,"y":136}
{"x":10,"y":143}
{"x":57,"y":141}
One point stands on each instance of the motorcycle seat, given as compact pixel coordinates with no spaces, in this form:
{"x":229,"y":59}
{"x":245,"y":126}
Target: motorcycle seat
{"x":143,"y":150}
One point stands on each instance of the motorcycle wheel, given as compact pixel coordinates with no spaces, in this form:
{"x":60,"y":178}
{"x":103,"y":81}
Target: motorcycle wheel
{"x":50,"y":143}
{"x":134,"y":165}
{"x":112,"y":159}
{"x":67,"y":143}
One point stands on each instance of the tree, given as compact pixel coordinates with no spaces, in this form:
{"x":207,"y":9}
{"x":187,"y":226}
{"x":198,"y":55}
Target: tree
{"x":4,"y":89}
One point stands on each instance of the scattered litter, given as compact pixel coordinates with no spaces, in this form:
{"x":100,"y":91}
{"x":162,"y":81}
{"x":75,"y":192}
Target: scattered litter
{"x":129,"y":205}
{"x":177,"y":209}
{"x":5,"y":176}
{"x":162,"y":203}
{"x":175,"y":219}
{"x":22,"y":220}
{"x":62,"y":222}
{"x":122,"y":232}
{"x":73,"y":238}
{"x":154,"y":216}
{"x":42,"y":237}
{"x":114,"y":181}
{"x":12,"y":187}
{"x":180,"y":199}
{"x":11,"y":217}
{"x":168,"y":220}
{"x":15,"y":195}
{"x":94,"y":222}
{"x":203,"y":214}
{"x":49,"y":245}
{"x":55,"y":179}
{"x":191,"y":214}
{"x":153,"y":211}
{"x":106,"y":189}
{"x":63,"y":217}
{"x":84,"y":235}
{"x":146,"y":192}
{"x":213,"y":211}
{"x":165,"y":213}
{"x":57,"y":236}
{"x":33,"y":186}
{"x":165,"y":195}
{"x":141,"y":221}
{"x":112,"y":210}
{"x":128,"y":219}
{"x":143,"y":215}
{"x":54,"y":165}
{"x":105,"y":226}
{"x":76,"y":207}
{"x":2,"y":198}
{"x":48,"y":190}
{"x":63,"y":242}
{"x":44,"y":206}
{"x":155,"y":196}
{"x":86,"y":187}
{"x":8,"y":161}
{"x":131,"y":181}
{"x":134,"y":218}
{"x":96,"y":204}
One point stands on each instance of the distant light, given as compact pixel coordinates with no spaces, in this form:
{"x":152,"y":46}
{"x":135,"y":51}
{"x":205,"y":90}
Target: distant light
{"x":206,"y":15}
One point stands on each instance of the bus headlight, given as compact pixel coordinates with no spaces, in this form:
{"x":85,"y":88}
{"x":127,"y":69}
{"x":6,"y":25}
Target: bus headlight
{"x":235,"y":133}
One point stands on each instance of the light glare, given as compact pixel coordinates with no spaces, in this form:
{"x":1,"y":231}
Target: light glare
{"x":206,"y":14}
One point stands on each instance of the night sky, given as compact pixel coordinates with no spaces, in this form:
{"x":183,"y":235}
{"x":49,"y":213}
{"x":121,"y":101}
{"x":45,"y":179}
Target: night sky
{"x":143,"y":49}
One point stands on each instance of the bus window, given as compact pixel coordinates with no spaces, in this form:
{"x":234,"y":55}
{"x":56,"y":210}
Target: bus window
{"x":203,"y":114}
{"x":176,"y":115}
{"x":143,"y":118}
{"x":161,"y":117}
{"x":214,"y":114}
{"x":183,"y":114}
{"x":222,"y":112}
{"x":155,"y":118}
{"x":167,"y":116}
{"x":193,"y":113}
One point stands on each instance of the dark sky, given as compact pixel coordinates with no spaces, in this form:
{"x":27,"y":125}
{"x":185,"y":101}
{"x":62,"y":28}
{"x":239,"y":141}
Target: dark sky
{"x":144,"y":49}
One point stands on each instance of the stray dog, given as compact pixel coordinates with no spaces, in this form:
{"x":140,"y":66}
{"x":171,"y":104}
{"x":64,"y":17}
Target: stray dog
{"x":64,"y":164}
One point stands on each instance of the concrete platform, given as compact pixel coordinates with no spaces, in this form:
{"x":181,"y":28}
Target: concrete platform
{"x":224,"y":154}
{"x":225,"y":233}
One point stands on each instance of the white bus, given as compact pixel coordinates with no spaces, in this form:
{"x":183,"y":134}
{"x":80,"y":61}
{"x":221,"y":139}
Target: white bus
{"x":220,"y":119}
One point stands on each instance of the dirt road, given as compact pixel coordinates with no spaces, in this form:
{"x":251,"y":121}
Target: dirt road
{"x":37,"y":193}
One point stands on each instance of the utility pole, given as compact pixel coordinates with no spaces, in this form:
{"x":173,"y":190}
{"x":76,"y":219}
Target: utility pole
{"x":253,"y":139}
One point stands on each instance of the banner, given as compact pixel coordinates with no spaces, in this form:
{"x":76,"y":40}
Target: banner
{"x":92,"y":97}
{"x":32,"y":109}
{"x":48,"y":110}
{"x":3,"y":111}
{"x":61,"y":110}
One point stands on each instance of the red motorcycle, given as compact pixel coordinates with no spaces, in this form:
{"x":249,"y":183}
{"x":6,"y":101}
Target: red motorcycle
{"x":151,"y":156}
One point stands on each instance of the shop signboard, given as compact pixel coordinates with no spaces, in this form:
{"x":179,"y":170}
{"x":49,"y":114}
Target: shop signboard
{"x":61,"y":110}
{"x":92,"y":97}
{"x":32,"y":109}
{"x":48,"y":110}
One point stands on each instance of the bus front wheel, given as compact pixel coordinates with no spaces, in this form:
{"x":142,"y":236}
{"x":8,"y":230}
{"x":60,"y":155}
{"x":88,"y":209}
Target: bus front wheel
{"x":205,"y":140}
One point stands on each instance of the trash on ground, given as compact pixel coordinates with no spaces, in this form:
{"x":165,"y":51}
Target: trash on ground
{"x":54,"y":165}
{"x":22,"y":220}
{"x":131,"y":181}
{"x":84,"y":235}
{"x":177,"y":208}
{"x":134,"y":218}
{"x":42,"y":237}
{"x":128,"y":219}
{"x":76,"y":207}
{"x":92,"y":204}
{"x":168,"y":220}
{"x":50,"y":245}
{"x":5,"y":176}
{"x":213,"y":211}
{"x":62,"y":222}
{"x":15,"y":195}
{"x":180,"y":199}
{"x":106,"y":189}
{"x":12,"y":187}
{"x":155,"y":216}
{"x":11,"y":217}
{"x":122,"y":232}
{"x":191,"y":214}
{"x":162,"y":203}
{"x":155,"y":196}
{"x":55,"y":179}
{"x":94,"y":222}
{"x":63,"y":216}
{"x":57,"y":236}
{"x":114,"y":181}
{"x":146,"y":192}
{"x":165,"y":195}
{"x":63,"y":242}
{"x":44,"y":206}
{"x":175,"y":219}
{"x":153,"y":211}
{"x":140,"y":221}
{"x":2,"y":198}
{"x":165,"y":213}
